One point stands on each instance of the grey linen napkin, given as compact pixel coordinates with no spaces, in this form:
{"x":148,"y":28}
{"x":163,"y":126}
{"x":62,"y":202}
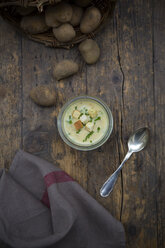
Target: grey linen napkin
{"x":42,"y":206}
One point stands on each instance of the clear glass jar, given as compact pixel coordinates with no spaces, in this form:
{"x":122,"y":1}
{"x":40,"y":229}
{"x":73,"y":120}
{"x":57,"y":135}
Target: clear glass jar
{"x":84,"y":147}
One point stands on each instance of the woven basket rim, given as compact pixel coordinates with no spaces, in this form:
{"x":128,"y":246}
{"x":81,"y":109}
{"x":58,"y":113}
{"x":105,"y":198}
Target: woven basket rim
{"x":28,"y":3}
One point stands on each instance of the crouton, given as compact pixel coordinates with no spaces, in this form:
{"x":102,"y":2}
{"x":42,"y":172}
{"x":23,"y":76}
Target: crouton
{"x":78,"y":125}
{"x":76,"y":114}
{"x":92,"y":112}
{"x":84,"y":119}
{"x":89,"y":126}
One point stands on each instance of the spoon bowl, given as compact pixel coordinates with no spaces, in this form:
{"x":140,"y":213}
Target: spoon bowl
{"x":138,"y":140}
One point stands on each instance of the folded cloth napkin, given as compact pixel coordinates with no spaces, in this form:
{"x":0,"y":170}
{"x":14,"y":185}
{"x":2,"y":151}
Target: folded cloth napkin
{"x":42,"y":206}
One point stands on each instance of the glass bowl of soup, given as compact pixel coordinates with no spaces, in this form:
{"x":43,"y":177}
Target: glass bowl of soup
{"x":85,"y":123}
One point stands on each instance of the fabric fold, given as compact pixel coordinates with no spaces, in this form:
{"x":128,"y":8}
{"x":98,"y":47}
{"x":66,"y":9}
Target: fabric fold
{"x":42,"y":206}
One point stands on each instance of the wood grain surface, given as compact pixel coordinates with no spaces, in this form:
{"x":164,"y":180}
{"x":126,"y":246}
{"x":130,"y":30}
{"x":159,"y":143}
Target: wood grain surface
{"x":129,"y":77}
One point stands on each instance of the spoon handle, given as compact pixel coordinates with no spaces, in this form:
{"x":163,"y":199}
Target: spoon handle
{"x":109,"y":184}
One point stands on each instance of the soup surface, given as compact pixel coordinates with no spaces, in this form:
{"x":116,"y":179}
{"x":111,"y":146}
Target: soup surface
{"x":85,"y":122}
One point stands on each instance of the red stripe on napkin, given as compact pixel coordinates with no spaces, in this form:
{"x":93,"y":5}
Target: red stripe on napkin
{"x":45,"y":199}
{"x":57,"y":177}
{"x":51,"y":178}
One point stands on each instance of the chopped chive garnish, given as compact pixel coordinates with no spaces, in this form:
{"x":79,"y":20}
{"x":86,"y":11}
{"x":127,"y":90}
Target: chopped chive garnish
{"x":86,"y":114}
{"x":70,"y":119}
{"x":98,"y":118}
{"x":78,"y":131}
{"x":90,"y":119}
{"x":88,"y":136}
{"x":75,"y":107}
{"x":98,"y":129}
{"x":80,"y":115}
{"x":90,"y":141}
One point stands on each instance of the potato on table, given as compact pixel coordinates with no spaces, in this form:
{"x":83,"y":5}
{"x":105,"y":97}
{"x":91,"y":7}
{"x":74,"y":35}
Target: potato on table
{"x":63,"y":12}
{"x":43,"y":95}
{"x":64,"y":33}
{"x":76,"y":16}
{"x":90,"y":20}
{"x":50,"y":17}
{"x":90,"y":51}
{"x":34,"y":24}
{"x":65,"y":69}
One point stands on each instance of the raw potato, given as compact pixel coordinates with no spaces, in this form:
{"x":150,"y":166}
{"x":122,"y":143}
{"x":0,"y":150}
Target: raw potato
{"x":34,"y":24}
{"x":90,"y":51}
{"x":64,"y":33}
{"x":65,"y":69}
{"x":82,"y":3}
{"x":63,"y":12}
{"x":43,"y":95}
{"x":25,"y":11}
{"x":77,"y":15}
{"x":90,"y":20}
{"x":50,"y":18}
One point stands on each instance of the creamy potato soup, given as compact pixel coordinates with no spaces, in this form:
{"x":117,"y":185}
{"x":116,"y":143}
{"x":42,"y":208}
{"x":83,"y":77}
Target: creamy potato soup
{"x":85,"y":122}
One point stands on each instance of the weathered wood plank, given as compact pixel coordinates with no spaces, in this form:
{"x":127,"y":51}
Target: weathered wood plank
{"x":10,"y":93}
{"x":10,"y":96}
{"x":39,"y":128}
{"x":104,"y":80}
{"x":159,"y":97}
{"x":134,"y":28}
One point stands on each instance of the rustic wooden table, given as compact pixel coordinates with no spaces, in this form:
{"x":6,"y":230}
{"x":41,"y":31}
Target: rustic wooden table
{"x":130,"y":78}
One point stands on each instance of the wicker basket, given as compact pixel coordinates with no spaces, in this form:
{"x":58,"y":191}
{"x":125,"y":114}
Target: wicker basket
{"x":8,"y":12}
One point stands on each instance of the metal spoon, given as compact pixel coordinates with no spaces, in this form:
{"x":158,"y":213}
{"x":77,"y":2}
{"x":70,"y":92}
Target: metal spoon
{"x":135,"y":144}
